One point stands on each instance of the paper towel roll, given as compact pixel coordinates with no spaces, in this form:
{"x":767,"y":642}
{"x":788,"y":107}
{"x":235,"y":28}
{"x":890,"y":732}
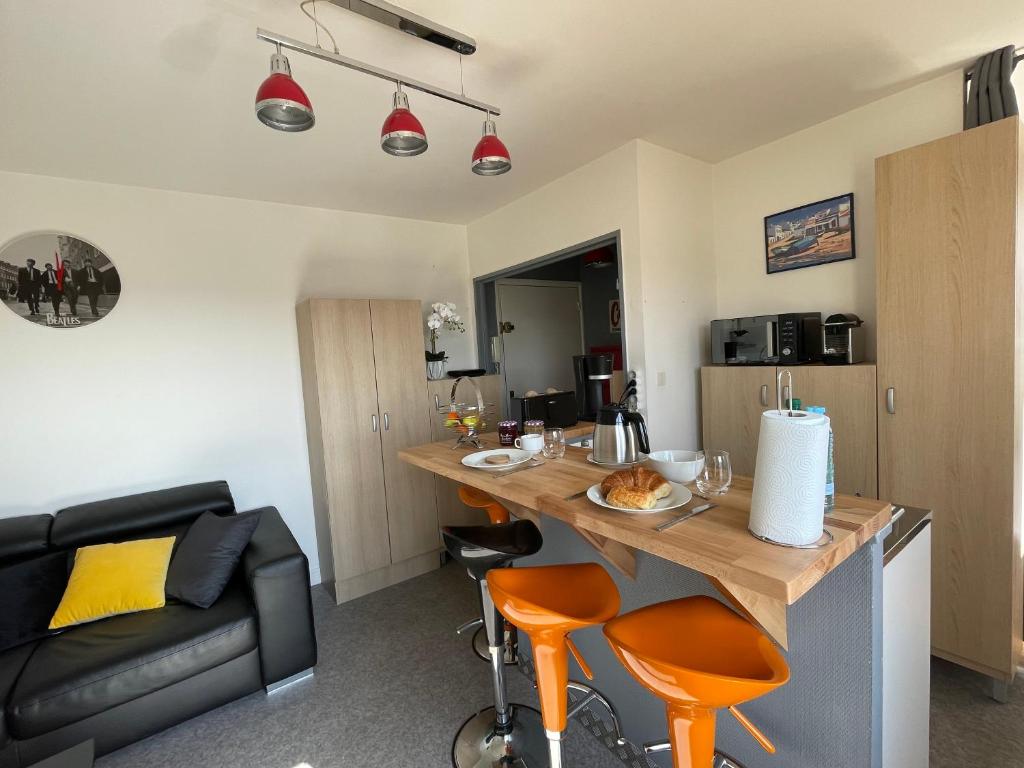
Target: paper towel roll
{"x":788,"y":501}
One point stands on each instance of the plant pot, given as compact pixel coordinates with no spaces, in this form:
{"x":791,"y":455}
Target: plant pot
{"x":436,"y":369}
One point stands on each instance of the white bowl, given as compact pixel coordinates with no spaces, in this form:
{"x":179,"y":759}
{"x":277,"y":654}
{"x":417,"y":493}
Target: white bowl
{"x":677,"y":466}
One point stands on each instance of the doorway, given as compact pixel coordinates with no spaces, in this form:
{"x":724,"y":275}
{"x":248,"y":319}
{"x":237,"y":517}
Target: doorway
{"x":541,"y":326}
{"x":553,"y":329}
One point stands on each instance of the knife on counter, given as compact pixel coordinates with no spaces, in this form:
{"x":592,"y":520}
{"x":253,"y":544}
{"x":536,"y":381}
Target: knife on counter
{"x":695,"y":511}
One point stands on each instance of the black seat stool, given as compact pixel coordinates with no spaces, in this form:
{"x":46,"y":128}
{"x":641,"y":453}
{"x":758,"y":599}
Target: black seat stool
{"x":505,"y":734}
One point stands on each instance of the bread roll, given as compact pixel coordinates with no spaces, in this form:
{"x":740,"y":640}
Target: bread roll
{"x":625,"y":497}
{"x":638,"y":478}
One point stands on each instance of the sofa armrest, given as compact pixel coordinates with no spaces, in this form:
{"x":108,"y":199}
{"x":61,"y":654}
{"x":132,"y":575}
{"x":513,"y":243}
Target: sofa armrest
{"x":278,"y":575}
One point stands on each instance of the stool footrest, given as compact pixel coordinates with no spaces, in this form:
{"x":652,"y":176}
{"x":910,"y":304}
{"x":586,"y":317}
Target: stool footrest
{"x":471,"y":624}
{"x":590,"y":695}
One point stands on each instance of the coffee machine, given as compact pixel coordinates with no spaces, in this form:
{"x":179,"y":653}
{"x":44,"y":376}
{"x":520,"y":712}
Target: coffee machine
{"x":592,"y":372}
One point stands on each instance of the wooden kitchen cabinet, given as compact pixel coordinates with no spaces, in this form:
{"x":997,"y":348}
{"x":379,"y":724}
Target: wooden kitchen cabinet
{"x":848,"y":394}
{"x":450,"y":509}
{"x":734,"y":397}
{"x":732,"y":401}
{"x":365,"y":399}
{"x":950,"y":381}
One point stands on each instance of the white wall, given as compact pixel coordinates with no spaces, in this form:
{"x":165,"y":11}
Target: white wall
{"x":660,"y":202}
{"x":676,"y":236}
{"x":194,"y":375}
{"x":823,"y":161}
{"x":594,"y":200}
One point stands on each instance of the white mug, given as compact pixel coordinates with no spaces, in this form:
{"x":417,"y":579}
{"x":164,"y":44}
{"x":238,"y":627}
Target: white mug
{"x":531,"y":443}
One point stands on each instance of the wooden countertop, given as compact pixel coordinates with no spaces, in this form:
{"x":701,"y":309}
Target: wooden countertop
{"x":760,"y":578}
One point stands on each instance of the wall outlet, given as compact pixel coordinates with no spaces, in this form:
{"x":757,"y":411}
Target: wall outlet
{"x":661,"y":378}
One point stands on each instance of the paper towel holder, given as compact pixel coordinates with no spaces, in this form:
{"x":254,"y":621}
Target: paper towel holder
{"x":778,"y":394}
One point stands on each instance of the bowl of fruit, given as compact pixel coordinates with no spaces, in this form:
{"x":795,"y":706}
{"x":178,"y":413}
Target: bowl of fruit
{"x":465,"y":419}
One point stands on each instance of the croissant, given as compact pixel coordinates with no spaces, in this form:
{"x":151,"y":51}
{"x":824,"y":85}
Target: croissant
{"x":638,"y":478}
{"x":628,"y":497}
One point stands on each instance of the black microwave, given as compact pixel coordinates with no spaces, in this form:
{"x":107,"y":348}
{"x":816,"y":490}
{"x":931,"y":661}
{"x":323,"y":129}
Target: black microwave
{"x":791,"y":338}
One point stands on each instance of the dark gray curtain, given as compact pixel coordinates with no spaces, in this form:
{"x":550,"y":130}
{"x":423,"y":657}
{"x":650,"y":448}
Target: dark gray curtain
{"x":990,"y":95}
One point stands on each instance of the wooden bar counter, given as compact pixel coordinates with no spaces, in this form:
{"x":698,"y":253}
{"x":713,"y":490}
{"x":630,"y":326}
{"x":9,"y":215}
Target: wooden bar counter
{"x":759,"y":578}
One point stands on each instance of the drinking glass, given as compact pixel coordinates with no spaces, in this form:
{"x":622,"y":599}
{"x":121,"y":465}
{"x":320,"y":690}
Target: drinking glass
{"x":716,"y":476}
{"x":554,"y":443}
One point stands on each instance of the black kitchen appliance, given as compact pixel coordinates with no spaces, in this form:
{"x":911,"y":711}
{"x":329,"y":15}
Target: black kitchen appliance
{"x":591,"y":372}
{"x":743,"y":340}
{"x":791,"y":338}
{"x":798,"y":337}
{"x":556,"y":409}
{"x":843,"y":342}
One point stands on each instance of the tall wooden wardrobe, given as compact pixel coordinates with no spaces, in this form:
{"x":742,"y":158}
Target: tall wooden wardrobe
{"x":365,"y":392}
{"x":950,"y":381}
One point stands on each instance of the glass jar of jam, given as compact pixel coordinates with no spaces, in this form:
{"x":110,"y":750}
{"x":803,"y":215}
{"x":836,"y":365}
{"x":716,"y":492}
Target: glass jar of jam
{"x":508,"y":431}
{"x":533,"y":427}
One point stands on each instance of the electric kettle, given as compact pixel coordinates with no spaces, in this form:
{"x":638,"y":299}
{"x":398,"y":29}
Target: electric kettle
{"x":620,"y":436}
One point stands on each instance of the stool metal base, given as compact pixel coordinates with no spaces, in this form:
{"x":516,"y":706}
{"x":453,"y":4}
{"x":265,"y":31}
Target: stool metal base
{"x":480,"y":647}
{"x":477,"y":745}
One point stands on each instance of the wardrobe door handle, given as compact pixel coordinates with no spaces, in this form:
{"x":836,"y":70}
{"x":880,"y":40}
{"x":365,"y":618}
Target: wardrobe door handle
{"x":387,"y":422}
{"x":764,"y":395}
{"x":437,"y":403}
{"x":373,"y":422}
{"x":890,"y":400}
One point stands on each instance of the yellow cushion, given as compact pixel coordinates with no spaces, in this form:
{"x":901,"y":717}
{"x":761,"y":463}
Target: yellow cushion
{"x":109,"y":579}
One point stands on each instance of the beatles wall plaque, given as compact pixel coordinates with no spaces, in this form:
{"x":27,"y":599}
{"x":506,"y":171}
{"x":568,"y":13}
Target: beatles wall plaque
{"x":57,"y":280}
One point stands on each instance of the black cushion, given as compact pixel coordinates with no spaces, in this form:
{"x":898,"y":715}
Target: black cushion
{"x":24,"y":536}
{"x":97,"y":666}
{"x":30,"y":592}
{"x":11,"y":664}
{"x":208,"y":556}
{"x":117,"y":519}
{"x":478,"y":548}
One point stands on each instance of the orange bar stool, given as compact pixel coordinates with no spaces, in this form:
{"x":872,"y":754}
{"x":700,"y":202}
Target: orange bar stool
{"x":547,"y":603}
{"x":473,"y":497}
{"x":697,"y":656}
{"x":498,"y":514}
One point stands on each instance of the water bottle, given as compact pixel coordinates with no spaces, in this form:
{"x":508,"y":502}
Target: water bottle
{"x":830,"y":467}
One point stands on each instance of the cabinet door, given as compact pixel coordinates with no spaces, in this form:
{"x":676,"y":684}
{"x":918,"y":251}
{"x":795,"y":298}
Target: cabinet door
{"x":343,"y":350}
{"x":946,"y":333}
{"x":848,"y":394}
{"x":405,"y":422}
{"x":732,"y":401}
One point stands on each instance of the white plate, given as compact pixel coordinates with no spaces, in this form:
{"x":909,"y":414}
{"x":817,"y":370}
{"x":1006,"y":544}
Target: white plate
{"x":476,"y":460}
{"x":592,"y":460}
{"x":680,"y":495}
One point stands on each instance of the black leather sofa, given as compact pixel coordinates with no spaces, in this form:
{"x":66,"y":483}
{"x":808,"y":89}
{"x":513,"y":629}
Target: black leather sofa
{"x":121,"y":679}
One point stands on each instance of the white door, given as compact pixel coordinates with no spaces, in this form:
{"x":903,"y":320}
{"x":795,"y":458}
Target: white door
{"x":541,"y":325}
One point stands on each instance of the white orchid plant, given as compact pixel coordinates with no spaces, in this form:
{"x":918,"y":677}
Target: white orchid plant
{"x":442,"y":316}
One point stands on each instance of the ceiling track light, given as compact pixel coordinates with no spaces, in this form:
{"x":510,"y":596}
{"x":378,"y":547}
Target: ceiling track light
{"x":280,"y":101}
{"x":284,"y":106}
{"x":491,"y":158}
{"x":402,"y":134}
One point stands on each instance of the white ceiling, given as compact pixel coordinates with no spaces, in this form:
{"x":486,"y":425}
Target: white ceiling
{"x":160,"y":93}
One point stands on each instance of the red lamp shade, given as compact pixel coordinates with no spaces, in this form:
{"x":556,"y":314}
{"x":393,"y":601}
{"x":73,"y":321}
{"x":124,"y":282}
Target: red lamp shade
{"x":402,"y":134}
{"x":280,"y":101}
{"x":491,"y":158}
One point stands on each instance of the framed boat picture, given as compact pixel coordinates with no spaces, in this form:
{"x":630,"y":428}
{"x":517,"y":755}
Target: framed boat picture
{"x":818,"y":233}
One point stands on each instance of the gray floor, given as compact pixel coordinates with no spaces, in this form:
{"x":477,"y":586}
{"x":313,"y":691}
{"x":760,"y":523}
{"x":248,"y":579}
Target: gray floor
{"x":393,"y":685}
{"x":968,"y":728}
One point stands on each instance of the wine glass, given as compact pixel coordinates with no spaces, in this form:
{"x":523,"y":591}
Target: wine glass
{"x":554,"y":443}
{"x":716,"y":476}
